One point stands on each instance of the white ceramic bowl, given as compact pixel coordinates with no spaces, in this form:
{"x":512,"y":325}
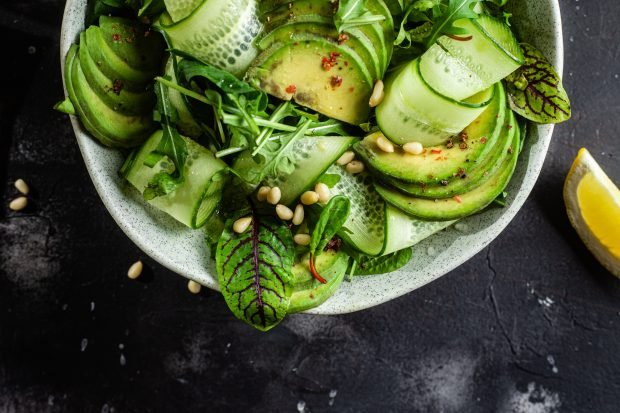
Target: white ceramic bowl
{"x":183,"y":251}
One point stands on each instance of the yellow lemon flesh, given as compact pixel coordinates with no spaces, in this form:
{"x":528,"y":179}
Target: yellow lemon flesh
{"x":593,"y":205}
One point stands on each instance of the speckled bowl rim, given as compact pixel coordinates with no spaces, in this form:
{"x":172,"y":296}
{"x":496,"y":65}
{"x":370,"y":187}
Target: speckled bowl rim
{"x":363,"y":292}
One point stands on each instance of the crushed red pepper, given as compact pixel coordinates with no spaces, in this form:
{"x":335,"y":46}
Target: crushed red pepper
{"x":117,"y":86}
{"x":342,"y":37}
{"x":435,"y":151}
{"x":336,"y":81}
{"x":450,"y":144}
{"x":291,"y":89}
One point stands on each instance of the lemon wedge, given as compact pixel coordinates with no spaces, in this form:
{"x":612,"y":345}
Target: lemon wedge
{"x":593,"y":205}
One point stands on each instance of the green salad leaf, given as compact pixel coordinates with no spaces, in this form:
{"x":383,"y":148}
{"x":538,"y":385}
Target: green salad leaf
{"x":171,"y":146}
{"x":535,"y":90}
{"x":332,"y":218}
{"x":254,"y":270}
{"x":444,"y":17}
{"x":367,"y":265}
{"x":353,"y":13}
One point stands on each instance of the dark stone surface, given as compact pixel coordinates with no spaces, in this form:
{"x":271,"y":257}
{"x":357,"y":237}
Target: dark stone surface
{"x":532,"y":324}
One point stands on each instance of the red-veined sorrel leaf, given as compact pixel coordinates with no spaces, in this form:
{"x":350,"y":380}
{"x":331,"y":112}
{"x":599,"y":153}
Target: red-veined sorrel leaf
{"x":254,"y":269}
{"x":535,"y":90}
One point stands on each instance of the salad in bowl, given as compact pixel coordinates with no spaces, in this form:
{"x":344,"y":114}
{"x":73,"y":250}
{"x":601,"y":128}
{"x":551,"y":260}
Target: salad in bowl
{"x":303,"y":142}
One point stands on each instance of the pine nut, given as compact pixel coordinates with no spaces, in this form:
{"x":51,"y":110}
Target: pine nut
{"x":414,"y":148}
{"x":346,"y":157}
{"x":241,"y":225}
{"x":284,"y":212}
{"x":384,"y":144}
{"x":377,"y":94}
{"x":19,"y":203}
{"x":355,"y":167}
{"x":323,"y":191}
{"x":302,"y":239}
{"x":194,"y":287}
{"x":262,"y":193}
{"x":309,"y":198}
{"x":22,"y":186}
{"x":298,"y":216}
{"x":274,"y":196}
{"x":135,"y":270}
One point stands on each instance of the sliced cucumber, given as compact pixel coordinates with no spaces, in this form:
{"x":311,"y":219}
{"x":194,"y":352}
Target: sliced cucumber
{"x":199,"y":194}
{"x":374,"y":227}
{"x":413,"y":111}
{"x":180,"y":9}
{"x":448,"y":75}
{"x":220,"y":32}
{"x":311,"y":155}
{"x":492,"y":53}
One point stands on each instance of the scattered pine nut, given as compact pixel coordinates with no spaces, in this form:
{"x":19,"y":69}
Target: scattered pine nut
{"x":135,"y":270}
{"x":302,"y":239}
{"x":377,"y":94}
{"x":284,"y":212}
{"x":414,"y":148}
{"x":355,"y":167}
{"x":298,"y":215}
{"x":274,"y":196}
{"x":22,"y":186}
{"x":323,"y":191}
{"x":309,"y":198}
{"x":241,"y":225}
{"x":384,"y":144}
{"x":19,"y":203}
{"x":194,"y":287}
{"x":346,"y":157}
{"x":262,"y":193}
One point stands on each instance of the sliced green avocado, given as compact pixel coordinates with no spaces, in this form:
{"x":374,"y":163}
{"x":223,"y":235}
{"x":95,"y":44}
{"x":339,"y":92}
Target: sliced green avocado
{"x":110,"y":127}
{"x":133,"y":43}
{"x":294,"y":31}
{"x":380,"y":34}
{"x":296,"y":71}
{"x":466,"y":204}
{"x":439,"y":163}
{"x":483,"y":170}
{"x":307,"y":291}
{"x":79,"y":111}
{"x":112,"y":92}
{"x":112,"y":65}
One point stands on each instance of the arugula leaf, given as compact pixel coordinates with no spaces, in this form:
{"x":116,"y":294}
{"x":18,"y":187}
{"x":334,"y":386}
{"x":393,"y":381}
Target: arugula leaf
{"x":331,"y":180}
{"x":254,"y":269}
{"x":380,"y":265}
{"x":171,"y":146}
{"x":332,"y":218}
{"x":353,"y":13}
{"x":535,"y":90}
{"x":151,"y":7}
{"x":443,"y":21}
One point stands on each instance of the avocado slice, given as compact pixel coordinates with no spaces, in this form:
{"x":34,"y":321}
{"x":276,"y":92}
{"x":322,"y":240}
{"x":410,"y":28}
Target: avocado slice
{"x":307,"y":291}
{"x":111,"y":65}
{"x":295,"y":71}
{"x":482,"y":171}
{"x":111,"y":91}
{"x":466,"y":204}
{"x":133,"y":43}
{"x":295,"y":31}
{"x":110,"y":127}
{"x":440,"y":163}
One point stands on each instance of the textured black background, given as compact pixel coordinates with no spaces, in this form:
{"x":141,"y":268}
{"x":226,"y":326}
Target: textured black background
{"x":531,"y":324}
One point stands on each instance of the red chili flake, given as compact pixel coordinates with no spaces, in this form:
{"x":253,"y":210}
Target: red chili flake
{"x":314,"y":273}
{"x":458,"y":199}
{"x":510,"y":150}
{"x":291,"y":89}
{"x":333,"y":57}
{"x":117,"y":86}
{"x":336,"y":81}
{"x":483,"y":140}
{"x":463,"y":136}
{"x":346,"y":63}
{"x":334,"y":244}
{"x":435,"y":151}
{"x":449,"y":144}
{"x":342,"y":37}
{"x":327,"y":65}
{"x":463,"y":145}
{"x":116,"y":37}
{"x":460,"y":38}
